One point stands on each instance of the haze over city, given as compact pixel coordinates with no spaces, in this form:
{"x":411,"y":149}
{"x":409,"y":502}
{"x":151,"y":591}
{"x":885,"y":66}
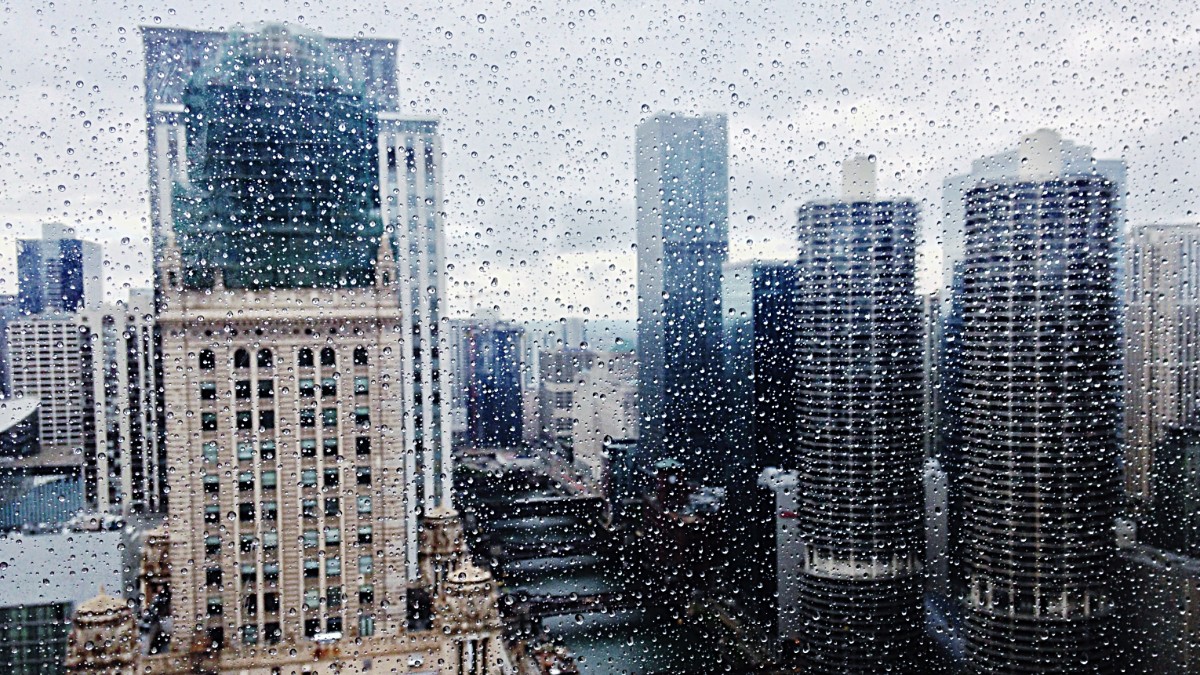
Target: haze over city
{"x":538,"y":106}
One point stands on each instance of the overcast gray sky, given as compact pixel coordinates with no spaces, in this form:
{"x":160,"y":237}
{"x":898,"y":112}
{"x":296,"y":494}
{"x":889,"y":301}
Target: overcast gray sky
{"x":539,"y":101}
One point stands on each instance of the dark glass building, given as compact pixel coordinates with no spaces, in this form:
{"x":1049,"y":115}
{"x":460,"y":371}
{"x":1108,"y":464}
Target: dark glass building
{"x":858,"y":356}
{"x":282,"y":192}
{"x":1039,"y":385}
{"x":758,"y":301}
{"x":683,"y":241}
{"x":59,"y":272}
{"x":494,"y":412}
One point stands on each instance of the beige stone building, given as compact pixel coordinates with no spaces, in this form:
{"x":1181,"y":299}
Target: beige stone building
{"x":300,"y":271}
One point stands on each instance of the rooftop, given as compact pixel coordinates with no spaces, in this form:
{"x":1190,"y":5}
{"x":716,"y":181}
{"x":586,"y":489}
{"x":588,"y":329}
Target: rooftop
{"x":16,"y":409}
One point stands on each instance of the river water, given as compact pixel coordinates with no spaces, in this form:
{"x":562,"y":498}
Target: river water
{"x":643,"y":641}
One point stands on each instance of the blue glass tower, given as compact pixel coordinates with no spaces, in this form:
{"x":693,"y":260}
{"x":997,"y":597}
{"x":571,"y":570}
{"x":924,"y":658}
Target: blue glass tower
{"x":683,"y":242}
{"x":59,"y":272}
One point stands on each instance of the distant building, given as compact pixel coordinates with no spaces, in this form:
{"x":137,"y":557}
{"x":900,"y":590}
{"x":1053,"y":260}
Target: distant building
{"x":560,"y":374}
{"x":937,"y":529}
{"x":783,"y":584}
{"x":130,"y":452}
{"x":682,"y":187}
{"x":93,"y":372}
{"x":59,"y":272}
{"x":1157,"y":598}
{"x":1162,"y":367}
{"x":9,"y":310}
{"x":1174,"y":514}
{"x":46,"y":577}
{"x":627,"y":478}
{"x":758,"y":300}
{"x":603,"y":411}
{"x":493,"y":387}
{"x":52,"y":360}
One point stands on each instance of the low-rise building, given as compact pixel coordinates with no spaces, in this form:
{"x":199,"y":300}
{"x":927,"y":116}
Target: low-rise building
{"x":45,"y":579}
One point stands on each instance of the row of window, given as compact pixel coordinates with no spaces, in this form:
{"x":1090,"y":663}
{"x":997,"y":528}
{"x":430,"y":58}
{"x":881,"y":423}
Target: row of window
{"x":308,"y":477}
{"x":264,"y":358}
{"x":363,"y":506}
{"x":266,"y":388}
{"x":244,"y":419}
{"x":308,"y":448}
{"x":333,"y":536}
{"x":333,"y":566}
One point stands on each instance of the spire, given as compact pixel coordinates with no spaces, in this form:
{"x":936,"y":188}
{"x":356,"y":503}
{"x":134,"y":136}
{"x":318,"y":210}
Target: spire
{"x":385,"y":262}
{"x":171,"y":276}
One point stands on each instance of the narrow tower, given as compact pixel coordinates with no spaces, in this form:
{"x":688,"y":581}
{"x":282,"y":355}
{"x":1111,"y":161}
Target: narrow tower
{"x":682,"y":243}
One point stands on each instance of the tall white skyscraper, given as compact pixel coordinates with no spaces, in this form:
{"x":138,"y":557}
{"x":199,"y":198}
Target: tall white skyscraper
{"x":94,"y":375}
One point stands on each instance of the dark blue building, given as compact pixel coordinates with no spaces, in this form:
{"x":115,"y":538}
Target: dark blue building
{"x":59,"y":272}
{"x":682,"y":241}
{"x":758,"y":300}
{"x":759,"y":303}
{"x":494,"y":411}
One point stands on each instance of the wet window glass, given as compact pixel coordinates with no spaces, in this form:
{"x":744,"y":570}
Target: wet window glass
{"x":708,"y":336}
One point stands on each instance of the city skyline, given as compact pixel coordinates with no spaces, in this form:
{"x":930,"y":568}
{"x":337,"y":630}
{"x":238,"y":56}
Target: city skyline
{"x":295,"y":407}
{"x":919,"y":135}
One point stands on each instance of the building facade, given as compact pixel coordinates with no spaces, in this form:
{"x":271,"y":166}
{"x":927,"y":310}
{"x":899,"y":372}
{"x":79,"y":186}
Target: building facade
{"x":1038,"y":416}
{"x":603,"y":411}
{"x":858,"y":403}
{"x":93,"y":372}
{"x":300,"y":347}
{"x":682,"y":189}
{"x":52,"y":361}
{"x":494,"y":370}
{"x":130,"y":455}
{"x":1162,"y":362}
{"x":758,"y":301}
{"x":398,"y":183}
{"x":59,"y":272}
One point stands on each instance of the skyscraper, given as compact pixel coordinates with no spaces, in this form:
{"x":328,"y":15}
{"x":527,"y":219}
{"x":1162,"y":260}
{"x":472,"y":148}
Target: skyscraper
{"x":1162,"y":367}
{"x":858,"y":400}
{"x":1038,"y":415}
{"x":131,"y":460}
{"x":758,"y":327}
{"x":945,"y":366}
{"x":683,"y":240}
{"x":300,"y":367}
{"x":59,"y":272}
{"x":52,"y":361}
{"x":406,"y":168}
{"x":494,"y":413}
{"x":93,"y":373}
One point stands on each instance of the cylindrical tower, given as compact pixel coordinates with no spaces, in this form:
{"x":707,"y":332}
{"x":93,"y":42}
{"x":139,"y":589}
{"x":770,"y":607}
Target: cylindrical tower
{"x":1038,"y":434}
{"x":858,"y":378}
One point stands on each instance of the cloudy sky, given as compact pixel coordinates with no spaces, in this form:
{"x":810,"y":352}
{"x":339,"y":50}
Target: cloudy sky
{"x":538,"y":103}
